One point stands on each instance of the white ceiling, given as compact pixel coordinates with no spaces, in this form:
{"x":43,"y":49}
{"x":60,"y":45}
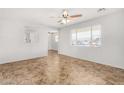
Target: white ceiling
{"x":42,"y":15}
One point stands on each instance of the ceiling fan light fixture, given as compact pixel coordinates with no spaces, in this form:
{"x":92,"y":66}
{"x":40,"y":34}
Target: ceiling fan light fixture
{"x":65,"y":21}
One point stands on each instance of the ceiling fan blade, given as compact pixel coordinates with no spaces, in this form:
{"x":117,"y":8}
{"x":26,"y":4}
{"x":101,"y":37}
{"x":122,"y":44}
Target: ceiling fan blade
{"x":59,"y":21}
{"x":71,"y":18}
{"x":55,"y":17}
{"x":75,"y":16}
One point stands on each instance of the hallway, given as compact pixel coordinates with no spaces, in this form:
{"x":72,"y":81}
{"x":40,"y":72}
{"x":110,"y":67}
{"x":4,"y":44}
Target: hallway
{"x":59,"y":69}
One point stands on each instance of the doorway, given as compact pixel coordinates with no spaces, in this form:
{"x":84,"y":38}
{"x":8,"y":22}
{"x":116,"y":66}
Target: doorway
{"x":53,"y":39}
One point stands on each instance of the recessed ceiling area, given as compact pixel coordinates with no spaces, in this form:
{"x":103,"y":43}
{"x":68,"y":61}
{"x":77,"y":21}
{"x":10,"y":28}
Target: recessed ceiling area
{"x":43,"y":15}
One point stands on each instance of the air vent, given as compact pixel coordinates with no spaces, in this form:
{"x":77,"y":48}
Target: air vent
{"x":101,"y":10}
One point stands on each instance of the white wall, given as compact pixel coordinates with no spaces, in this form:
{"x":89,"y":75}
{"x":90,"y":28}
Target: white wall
{"x":112,"y":50}
{"x":12,"y":41}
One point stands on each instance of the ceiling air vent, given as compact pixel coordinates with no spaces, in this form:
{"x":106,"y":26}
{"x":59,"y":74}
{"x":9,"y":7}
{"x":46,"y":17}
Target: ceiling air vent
{"x":101,"y":10}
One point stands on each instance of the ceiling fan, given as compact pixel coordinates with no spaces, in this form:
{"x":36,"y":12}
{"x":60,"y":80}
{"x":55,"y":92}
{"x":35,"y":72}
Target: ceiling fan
{"x":66,"y":18}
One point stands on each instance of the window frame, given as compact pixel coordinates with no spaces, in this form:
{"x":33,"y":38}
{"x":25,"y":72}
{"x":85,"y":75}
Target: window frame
{"x":91,"y":36}
{"x":56,"y":38}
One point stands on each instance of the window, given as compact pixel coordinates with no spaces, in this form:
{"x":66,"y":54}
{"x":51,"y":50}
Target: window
{"x":88,"y":36}
{"x":56,"y":38}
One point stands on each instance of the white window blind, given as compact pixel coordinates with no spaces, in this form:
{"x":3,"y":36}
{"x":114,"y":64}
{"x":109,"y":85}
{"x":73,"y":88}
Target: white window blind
{"x":88,"y":36}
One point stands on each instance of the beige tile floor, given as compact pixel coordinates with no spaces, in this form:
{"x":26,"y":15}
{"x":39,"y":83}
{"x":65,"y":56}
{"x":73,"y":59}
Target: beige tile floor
{"x":59,"y":69}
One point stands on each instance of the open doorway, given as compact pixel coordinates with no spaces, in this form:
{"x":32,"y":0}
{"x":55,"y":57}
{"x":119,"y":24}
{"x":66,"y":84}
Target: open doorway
{"x":53,"y":39}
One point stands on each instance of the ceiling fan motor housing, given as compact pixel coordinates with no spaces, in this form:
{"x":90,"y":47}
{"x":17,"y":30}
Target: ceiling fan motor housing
{"x":65,"y":14}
